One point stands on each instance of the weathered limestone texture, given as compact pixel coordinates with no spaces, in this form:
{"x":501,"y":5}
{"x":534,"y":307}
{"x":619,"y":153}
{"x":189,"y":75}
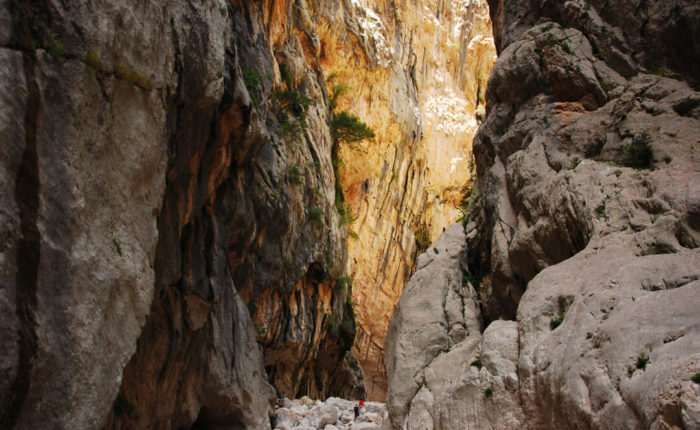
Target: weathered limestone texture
{"x":416,"y":73}
{"x":168,"y":208}
{"x":439,"y":364}
{"x":584,"y":229}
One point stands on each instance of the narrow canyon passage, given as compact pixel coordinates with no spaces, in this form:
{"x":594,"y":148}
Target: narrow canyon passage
{"x":405,"y":186}
{"x":238,"y":214}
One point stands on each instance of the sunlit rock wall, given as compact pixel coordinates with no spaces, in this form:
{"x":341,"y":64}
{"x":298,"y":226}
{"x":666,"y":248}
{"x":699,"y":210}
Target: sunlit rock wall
{"x":417,"y":74}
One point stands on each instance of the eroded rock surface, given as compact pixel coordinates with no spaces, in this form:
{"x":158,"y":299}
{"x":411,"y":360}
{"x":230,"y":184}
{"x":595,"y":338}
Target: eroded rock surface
{"x":583,"y":229}
{"x":164,"y":215}
{"x":443,"y":372}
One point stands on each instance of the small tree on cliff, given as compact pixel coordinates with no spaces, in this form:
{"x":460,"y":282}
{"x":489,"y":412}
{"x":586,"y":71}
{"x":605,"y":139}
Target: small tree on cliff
{"x":345,"y":128}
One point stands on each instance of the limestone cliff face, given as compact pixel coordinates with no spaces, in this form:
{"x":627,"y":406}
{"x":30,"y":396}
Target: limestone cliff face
{"x":416,"y":73}
{"x":583,"y":233}
{"x":168,"y":206}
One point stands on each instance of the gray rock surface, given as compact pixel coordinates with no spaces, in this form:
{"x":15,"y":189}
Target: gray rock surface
{"x":442,"y":377}
{"x":583,"y":232}
{"x":151,"y":236}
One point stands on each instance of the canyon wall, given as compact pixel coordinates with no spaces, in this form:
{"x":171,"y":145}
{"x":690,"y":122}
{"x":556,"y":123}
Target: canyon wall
{"x":168,"y":206}
{"x":582,"y":240}
{"x":416,"y":73}
{"x":172,"y":252}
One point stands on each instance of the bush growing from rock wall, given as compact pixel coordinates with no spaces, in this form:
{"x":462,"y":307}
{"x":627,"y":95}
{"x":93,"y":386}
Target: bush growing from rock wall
{"x":316,"y":215}
{"x":638,"y":154}
{"x":422,"y":238}
{"x":346,"y":127}
{"x":642,"y":362}
{"x":556,"y":322}
{"x":477,"y":363}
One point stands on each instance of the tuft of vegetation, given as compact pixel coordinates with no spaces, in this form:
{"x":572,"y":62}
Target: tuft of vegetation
{"x":287,"y":262}
{"x":260,"y":330}
{"x":294,"y":100}
{"x":295,"y":175}
{"x":422,"y":238}
{"x":128,"y":75}
{"x":223,"y":11}
{"x":344,"y":285}
{"x":574,"y":163}
{"x":696,"y":378}
{"x":250,"y":78}
{"x":122,"y":406}
{"x":474,"y":280}
{"x":345,"y":213}
{"x":600,"y":211}
{"x":56,"y":48}
{"x":346,"y":127}
{"x":92,"y":59}
{"x":477,"y":363}
{"x":287,"y":75}
{"x":436,"y":250}
{"x":638,"y":154}
{"x":488,"y":392}
{"x":642,"y":362}
{"x":589,"y":335}
{"x":316,"y":215}
{"x":556,"y":322}
{"x":337,"y":91}
{"x":117,"y":244}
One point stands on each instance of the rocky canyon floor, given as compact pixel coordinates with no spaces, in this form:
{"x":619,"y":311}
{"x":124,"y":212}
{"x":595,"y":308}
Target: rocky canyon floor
{"x":331,"y":414}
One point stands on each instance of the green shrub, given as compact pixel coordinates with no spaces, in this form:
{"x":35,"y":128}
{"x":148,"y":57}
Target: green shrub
{"x":696,"y":378}
{"x":488,"y":392}
{"x":642,"y":362}
{"x":574,"y":163}
{"x":223,"y":11}
{"x":474,"y":280}
{"x":337,"y":91}
{"x":250,"y":78}
{"x":117,"y":244}
{"x":346,"y":127}
{"x":295,"y":175}
{"x":56,"y":48}
{"x":638,"y":154}
{"x":556,"y":322}
{"x":316,"y":215}
{"x":589,"y":335}
{"x":422,"y":238}
{"x":294,"y":100}
{"x":92,"y":59}
{"x":436,"y":251}
{"x":477,"y":363}
{"x":287,"y":262}
{"x":600,"y":212}
{"x":287,"y":76}
{"x":345,"y":212}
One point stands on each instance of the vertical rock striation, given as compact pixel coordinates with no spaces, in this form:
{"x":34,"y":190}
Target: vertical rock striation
{"x":583,"y":229}
{"x":170,"y":207}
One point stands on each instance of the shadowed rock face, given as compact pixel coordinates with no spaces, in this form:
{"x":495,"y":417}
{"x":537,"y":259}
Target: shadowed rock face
{"x":158,"y":225}
{"x":583,"y":232}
